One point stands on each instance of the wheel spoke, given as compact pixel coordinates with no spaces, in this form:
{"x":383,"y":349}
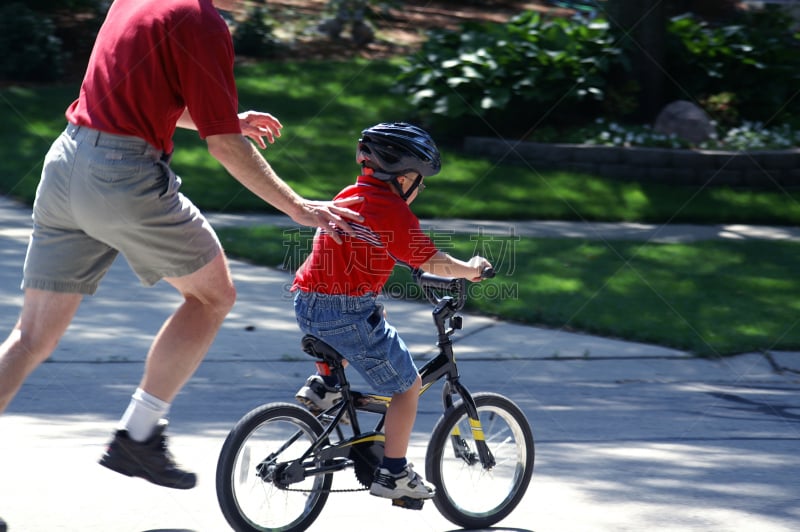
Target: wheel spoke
{"x":468,"y":494}
{"x":259,"y":447}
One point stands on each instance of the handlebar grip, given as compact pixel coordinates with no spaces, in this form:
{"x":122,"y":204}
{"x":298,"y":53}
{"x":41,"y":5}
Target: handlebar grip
{"x":429,"y":280}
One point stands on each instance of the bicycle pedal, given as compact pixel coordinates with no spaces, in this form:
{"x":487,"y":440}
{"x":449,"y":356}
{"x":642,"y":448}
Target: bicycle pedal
{"x":408,"y":503}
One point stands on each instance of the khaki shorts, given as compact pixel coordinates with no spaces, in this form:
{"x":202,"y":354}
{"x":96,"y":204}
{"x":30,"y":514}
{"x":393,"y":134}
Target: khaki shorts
{"x":103,"y":194}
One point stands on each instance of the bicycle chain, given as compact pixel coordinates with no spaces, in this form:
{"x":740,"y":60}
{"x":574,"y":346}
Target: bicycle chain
{"x":326,"y":491}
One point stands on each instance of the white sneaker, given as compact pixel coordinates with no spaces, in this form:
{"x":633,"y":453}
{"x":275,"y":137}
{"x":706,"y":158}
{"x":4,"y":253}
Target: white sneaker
{"x":405,"y":484}
{"x":318,"y":396}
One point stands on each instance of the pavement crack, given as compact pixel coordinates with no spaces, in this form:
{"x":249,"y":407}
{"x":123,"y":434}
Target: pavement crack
{"x":777,"y":368}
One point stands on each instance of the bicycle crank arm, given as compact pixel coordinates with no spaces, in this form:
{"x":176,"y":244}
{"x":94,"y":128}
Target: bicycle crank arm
{"x":286,"y":474}
{"x":336,"y":465}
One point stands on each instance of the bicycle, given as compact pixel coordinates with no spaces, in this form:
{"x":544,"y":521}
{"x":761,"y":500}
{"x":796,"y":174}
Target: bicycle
{"x":276,"y":466}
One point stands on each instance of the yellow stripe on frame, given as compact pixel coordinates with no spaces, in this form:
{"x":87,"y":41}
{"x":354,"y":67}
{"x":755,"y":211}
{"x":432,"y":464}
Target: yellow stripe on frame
{"x":477,"y":430}
{"x":372,"y":437}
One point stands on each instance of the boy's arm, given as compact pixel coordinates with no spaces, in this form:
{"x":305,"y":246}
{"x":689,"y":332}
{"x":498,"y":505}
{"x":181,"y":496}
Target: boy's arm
{"x":446,"y":266}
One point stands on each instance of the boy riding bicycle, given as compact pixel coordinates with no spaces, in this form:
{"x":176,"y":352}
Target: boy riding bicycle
{"x":338,"y":284}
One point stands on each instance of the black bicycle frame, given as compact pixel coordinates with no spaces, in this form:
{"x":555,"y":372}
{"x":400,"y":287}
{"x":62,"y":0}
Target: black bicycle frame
{"x":443,"y":365}
{"x":447,"y":321}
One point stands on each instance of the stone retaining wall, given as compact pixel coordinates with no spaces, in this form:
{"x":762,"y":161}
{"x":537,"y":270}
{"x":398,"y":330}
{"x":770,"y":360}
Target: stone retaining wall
{"x":662,"y":165}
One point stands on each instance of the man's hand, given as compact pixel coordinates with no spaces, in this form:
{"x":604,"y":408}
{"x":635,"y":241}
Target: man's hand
{"x":328,"y":214}
{"x":256,"y":126}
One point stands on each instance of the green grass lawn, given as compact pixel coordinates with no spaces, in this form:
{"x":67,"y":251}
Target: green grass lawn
{"x":325,"y":105}
{"x":710,"y":298}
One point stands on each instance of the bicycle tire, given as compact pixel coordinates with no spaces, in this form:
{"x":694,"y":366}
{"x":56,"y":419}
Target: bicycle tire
{"x":250,"y":503}
{"x":466,"y":494}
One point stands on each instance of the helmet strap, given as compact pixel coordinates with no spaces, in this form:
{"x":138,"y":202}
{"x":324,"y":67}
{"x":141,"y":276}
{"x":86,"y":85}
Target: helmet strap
{"x":384,"y":176}
{"x":407,"y":194}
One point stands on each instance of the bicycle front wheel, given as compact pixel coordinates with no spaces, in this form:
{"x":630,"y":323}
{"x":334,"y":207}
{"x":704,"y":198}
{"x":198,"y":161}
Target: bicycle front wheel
{"x":251,"y":459}
{"x":468,"y":494}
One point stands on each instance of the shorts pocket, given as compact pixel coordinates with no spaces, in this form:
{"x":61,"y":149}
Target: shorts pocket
{"x":169,"y":182}
{"x":378,"y":370}
{"x":382,"y":372}
{"x":375,"y":318}
{"x":343,"y":338}
{"x":115,"y":170}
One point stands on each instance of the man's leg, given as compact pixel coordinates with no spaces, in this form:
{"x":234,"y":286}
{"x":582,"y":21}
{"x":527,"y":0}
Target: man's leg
{"x":186,"y":336}
{"x":139,"y":447}
{"x":44,"y":318}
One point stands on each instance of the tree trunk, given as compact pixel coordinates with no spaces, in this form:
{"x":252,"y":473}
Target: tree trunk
{"x":643,"y":22}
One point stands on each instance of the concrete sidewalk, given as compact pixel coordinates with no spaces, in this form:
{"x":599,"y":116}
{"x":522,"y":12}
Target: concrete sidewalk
{"x":629,"y":436}
{"x":264,"y":306}
{"x":671,"y":233}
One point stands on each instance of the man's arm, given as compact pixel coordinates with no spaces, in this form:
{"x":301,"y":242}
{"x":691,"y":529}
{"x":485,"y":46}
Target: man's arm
{"x":185,"y":121}
{"x":246,"y":164}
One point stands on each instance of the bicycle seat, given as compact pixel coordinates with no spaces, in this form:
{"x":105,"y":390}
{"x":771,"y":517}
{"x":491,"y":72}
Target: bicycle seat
{"x":317,"y":348}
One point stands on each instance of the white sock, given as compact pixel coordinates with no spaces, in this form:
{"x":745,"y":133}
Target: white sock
{"x":142,"y":415}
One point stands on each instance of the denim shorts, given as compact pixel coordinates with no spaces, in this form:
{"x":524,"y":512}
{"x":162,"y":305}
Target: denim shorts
{"x":103,"y":194}
{"x":356,"y":328}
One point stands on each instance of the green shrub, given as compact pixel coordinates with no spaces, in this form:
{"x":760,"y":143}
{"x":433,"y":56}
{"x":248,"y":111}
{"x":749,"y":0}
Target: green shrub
{"x":511,"y":76}
{"x":755,"y":62}
{"x":32,"y":52}
{"x":538,"y":72}
{"x":254,"y":36}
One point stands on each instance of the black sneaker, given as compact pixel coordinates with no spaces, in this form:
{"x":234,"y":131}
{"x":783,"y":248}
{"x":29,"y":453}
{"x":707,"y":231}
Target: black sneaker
{"x":149,"y":460}
{"x":3,"y":526}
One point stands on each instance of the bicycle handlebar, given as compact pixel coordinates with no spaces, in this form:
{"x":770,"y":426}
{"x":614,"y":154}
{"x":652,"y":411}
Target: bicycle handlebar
{"x":429,"y":280}
{"x":455,"y":286}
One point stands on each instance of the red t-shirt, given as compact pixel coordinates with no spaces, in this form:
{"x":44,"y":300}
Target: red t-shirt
{"x":151,"y":60}
{"x":360,"y":265}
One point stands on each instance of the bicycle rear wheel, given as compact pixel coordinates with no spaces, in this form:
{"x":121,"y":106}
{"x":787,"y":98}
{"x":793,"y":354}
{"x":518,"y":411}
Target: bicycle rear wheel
{"x":466,"y":493}
{"x":252,"y":454}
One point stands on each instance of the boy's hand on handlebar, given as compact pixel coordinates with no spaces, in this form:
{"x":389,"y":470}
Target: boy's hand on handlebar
{"x":443,"y":265}
{"x":481,"y":266}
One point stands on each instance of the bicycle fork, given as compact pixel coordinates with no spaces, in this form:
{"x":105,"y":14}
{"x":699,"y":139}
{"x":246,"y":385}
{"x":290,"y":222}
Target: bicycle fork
{"x":460,"y":445}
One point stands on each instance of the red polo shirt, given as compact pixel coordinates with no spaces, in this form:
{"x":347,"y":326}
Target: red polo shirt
{"x":360,"y":265}
{"x":151,"y":60}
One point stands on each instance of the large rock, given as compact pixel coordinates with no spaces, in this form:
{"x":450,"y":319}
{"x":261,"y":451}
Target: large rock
{"x":686,"y":120}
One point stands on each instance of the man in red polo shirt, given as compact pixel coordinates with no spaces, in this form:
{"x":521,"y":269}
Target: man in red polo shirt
{"x":107,"y":188}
